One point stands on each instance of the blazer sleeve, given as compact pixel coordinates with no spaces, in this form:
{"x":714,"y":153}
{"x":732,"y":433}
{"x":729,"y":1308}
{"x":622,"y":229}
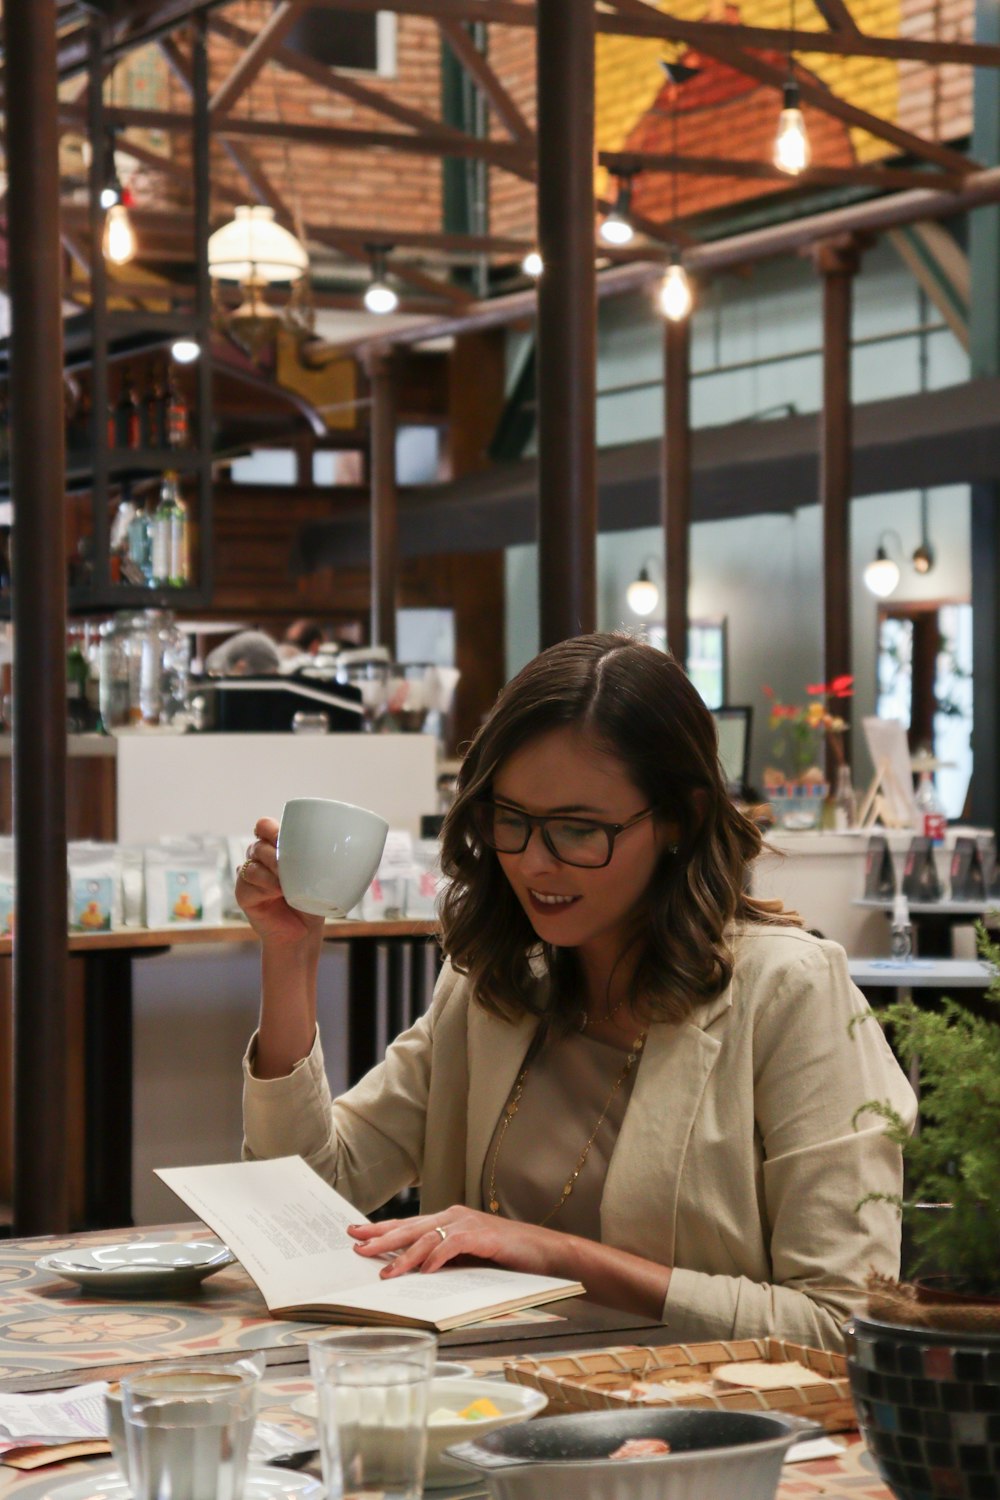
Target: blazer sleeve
{"x":812,"y":1071}
{"x":369,"y":1142}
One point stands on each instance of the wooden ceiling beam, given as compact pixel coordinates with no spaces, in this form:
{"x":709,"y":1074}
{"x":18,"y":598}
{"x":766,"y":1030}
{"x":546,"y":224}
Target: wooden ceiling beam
{"x":259,"y":53}
{"x":336,"y":83}
{"x":626,"y":162}
{"x":837,"y":16}
{"x":352,"y":250}
{"x":507,"y":155}
{"x":478,"y":68}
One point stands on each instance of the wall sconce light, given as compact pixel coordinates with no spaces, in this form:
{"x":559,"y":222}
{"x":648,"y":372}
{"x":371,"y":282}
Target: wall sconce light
{"x":185,"y":350}
{"x":882,"y":573}
{"x":616,"y":228}
{"x":642,"y":595}
{"x":380,"y":297}
{"x":532,"y":265}
{"x":923,"y":558}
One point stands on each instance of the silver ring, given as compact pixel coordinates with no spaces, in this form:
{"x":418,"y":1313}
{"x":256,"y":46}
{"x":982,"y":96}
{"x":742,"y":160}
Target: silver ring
{"x":441,"y":1231}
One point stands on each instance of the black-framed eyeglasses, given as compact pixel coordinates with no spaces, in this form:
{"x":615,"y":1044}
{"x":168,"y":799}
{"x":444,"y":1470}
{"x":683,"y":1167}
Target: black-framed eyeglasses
{"x":574,"y":841}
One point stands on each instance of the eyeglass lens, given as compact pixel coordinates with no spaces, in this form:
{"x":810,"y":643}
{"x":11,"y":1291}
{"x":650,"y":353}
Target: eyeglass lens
{"x":571,"y":840}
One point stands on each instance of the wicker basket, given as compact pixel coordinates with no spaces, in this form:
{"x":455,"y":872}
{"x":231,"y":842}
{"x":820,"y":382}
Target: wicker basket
{"x":593,"y":1381}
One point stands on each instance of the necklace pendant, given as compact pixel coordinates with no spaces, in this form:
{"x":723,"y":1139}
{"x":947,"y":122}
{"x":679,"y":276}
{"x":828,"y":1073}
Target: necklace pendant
{"x":494,"y":1206}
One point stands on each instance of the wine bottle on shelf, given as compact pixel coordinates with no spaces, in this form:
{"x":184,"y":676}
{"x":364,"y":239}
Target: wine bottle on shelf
{"x":140,"y":544}
{"x":178,"y":414}
{"x":154,"y":414}
{"x":4,"y":431}
{"x":127,"y":423}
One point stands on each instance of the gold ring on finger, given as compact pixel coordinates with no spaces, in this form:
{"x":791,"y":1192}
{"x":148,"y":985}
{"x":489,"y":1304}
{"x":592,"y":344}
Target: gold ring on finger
{"x":440,"y":1229}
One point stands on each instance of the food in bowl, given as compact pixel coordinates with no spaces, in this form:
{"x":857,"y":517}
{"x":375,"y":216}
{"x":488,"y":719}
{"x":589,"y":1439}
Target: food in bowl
{"x":640,"y":1448}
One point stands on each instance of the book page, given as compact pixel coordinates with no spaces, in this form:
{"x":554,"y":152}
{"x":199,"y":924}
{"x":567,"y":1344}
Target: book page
{"x":285,"y":1225}
{"x":288,"y":1229}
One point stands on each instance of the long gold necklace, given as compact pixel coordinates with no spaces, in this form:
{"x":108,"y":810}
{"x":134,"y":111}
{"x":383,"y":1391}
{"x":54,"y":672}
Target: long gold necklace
{"x":511,"y":1108}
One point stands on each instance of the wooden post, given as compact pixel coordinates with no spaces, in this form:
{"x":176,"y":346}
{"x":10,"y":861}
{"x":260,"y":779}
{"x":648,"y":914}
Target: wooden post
{"x":41,"y":1188}
{"x":567,"y":321}
{"x":676,"y":478}
{"x":837,"y":262}
{"x":385,"y":525}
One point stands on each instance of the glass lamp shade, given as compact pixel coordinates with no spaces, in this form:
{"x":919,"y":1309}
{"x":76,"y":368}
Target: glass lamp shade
{"x":642,"y":594}
{"x":252,"y":247}
{"x":119,"y":243}
{"x":616,"y":230}
{"x":185,"y":351}
{"x":881,"y":575}
{"x":675,"y":295}
{"x":792,"y":152}
{"x":923,"y":558}
{"x":531,"y":265}
{"x":380,"y":298}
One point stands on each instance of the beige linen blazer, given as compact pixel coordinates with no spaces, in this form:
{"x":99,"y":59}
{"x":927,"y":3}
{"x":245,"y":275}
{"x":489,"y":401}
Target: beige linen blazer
{"x":738,"y":1162}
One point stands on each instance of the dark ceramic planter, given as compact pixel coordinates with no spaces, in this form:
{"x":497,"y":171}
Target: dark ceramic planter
{"x":928,"y":1403}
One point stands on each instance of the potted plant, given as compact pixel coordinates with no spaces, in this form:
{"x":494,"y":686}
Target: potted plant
{"x":924,"y":1361}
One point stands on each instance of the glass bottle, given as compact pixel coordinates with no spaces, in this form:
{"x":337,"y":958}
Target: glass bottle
{"x":845,"y":802}
{"x":154,"y":416}
{"x":140,"y":544}
{"x":901,"y":942}
{"x":77,"y":673}
{"x":178,"y":414}
{"x":932,"y":821}
{"x":127,"y":425}
{"x":169,"y":563}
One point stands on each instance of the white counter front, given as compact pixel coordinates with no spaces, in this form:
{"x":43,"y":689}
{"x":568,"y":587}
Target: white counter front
{"x":222,"y":783}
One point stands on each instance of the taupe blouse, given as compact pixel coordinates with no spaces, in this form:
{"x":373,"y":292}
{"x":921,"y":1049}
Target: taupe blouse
{"x":566,"y":1088}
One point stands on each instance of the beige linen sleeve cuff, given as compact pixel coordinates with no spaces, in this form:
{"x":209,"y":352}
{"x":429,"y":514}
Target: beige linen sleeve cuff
{"x":287,"y":1116}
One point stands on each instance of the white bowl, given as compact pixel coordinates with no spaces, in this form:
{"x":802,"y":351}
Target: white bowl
{"x":516,"y":1402}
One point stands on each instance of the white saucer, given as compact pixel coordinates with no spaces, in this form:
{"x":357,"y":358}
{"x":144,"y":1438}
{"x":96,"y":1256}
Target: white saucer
{"x":142,"y":1269}
{"x":264,"y":1482}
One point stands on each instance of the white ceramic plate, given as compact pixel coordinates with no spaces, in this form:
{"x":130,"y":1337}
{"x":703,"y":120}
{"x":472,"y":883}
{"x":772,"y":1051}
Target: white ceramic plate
{"x":516,"y":1402}
{"x":144,"y":1268}
{"x":264,"y":1482}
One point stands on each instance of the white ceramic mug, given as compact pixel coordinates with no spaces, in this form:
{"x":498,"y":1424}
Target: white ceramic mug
{"x":328,"y":853}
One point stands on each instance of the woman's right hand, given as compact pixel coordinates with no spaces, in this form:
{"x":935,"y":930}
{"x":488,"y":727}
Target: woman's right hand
{"x":258,"y":892}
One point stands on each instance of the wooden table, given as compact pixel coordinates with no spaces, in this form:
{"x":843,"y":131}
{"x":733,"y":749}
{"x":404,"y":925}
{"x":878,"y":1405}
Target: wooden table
{"x":106,"y":958}
{"x":52,"y":1336}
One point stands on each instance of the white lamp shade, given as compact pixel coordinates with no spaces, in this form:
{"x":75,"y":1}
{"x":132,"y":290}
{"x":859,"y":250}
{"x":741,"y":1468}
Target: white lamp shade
{"x":380,"y":298}
{"x":642,"y":594}
{"x":185,"y":351}
{"x":532,"y":265}
{"x":252,"y":247}
{"x":881,"y":575}
{"x":616,"y":230}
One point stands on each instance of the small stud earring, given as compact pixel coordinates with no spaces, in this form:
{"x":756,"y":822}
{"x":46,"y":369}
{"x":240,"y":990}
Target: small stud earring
{"x":673,"y":848}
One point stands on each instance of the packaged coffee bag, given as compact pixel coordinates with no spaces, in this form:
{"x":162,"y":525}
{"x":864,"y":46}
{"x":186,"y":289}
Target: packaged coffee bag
{"x":94,"y":887}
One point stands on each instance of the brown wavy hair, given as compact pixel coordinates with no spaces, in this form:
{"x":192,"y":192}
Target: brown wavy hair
{"x":642,"y":708}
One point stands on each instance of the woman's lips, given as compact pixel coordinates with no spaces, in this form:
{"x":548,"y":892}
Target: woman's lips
{"x":551,"y":908}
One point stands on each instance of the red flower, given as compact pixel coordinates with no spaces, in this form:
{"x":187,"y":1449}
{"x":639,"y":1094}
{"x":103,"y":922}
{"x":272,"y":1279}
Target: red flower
{"x":842,"y":687}
{"x":817,"y":689}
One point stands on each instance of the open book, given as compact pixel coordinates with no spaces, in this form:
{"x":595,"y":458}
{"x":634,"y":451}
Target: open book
{"x":288,"y":1228}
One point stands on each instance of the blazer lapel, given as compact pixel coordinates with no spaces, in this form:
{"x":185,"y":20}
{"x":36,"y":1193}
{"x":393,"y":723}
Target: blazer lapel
{"x":496,"y":1052}
{"x":639,"y":1205}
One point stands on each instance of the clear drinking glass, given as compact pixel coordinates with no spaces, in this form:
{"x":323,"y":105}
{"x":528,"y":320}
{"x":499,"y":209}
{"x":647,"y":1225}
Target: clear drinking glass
{"x":188,"y":1430}
{"x":372,"y":1392}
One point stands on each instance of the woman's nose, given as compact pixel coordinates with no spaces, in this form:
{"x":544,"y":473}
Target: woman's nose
{"x":537,"y":855}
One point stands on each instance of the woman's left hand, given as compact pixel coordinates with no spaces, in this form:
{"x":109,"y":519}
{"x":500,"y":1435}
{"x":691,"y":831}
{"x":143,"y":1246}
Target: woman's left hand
{"x":429,"y":1241}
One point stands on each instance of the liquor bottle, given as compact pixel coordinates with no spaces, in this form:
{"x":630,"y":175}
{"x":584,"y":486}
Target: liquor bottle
{"x":845,"y":803}
{"x":169,"y":563}
{"x":932,"y":821}
{"x":154,"y":414}
{"x":127,"y":424}
{"x":140,"y":544}
{"x":178,"y":415}
{"x":77,"y":672}
{"x":901,"y":943}
{"x":4,"y":431}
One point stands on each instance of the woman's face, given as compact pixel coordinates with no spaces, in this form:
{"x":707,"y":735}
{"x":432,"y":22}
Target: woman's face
{"x":567,"y":771}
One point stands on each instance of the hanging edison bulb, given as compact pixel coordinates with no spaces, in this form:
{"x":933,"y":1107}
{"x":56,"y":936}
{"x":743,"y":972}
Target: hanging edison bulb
{"x":119,"y":244}
{"x":792,"y":152}
{"x":676,"y":296}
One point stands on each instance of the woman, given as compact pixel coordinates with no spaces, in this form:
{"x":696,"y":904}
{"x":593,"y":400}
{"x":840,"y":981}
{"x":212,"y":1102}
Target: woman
{"x":632,"y":1073}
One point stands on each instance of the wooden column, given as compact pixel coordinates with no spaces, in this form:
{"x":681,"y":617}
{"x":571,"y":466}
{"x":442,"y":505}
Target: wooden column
{"x":385,"y":525}
{"x":41,"y":1180}
{"x":837,"y":263}
{"x":567,"y":321}
{"x":676,"y":475}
